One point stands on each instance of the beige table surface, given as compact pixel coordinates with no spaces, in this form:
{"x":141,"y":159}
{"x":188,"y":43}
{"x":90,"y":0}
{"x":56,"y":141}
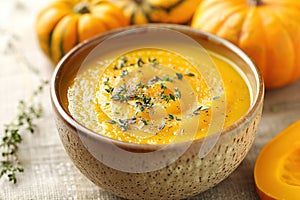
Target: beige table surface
{"x":49,"y":173}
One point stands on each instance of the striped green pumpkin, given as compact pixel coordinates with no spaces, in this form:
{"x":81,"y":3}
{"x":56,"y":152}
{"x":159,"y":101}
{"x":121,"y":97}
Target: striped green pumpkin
{"x":65,"y":23}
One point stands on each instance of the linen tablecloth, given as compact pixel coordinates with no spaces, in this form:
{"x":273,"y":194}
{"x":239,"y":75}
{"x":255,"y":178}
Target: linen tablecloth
{"x":49,"y":173}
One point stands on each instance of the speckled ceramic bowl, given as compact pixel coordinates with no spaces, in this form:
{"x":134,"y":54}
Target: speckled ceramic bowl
{"x":185,"y":176}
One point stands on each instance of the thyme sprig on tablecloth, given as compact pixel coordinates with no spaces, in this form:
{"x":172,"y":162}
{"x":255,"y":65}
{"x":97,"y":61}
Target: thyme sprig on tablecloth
{"x":28,"y":112}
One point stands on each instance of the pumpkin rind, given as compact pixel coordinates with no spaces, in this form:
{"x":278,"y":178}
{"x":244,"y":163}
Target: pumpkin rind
{"x":269,"y":33}
{"x":158,"y":11}
{"x":62,"y":25}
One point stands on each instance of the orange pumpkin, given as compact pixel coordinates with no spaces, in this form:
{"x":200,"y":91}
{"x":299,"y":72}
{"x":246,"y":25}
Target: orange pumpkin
{"x":163,"y":11}
{"x":65,"y":23}
{"x":267,"y":30}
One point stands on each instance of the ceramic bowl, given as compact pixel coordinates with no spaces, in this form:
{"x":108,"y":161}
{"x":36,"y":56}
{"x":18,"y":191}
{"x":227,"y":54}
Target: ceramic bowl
{"x":111,"y":164}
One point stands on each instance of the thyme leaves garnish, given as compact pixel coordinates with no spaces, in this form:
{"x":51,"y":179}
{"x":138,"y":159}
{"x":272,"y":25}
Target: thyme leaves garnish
{"x":124,"y":125}
{"x":120,"y":94}
{"x":171,"y":117}
{"x":201,"y":108}
{"x":139,"y":95}
{"x":154,"y":80}
{"x":109,"y":89}
{"x":140,"y":62}
{"x":179,"y":76}
{"x":167,"y":78}
{"x":124,"y":62}
{"x":189,"y":74}
{"x":177,"y":93}
{"x":124,"y":59}
{"x":216,"y":97}
{"x":124,"y":73}
{"x":172,"y":97}
{"x":144,"y":121}
{"x":162,"y":126}
{"x":153,"y":61}
{"x":111,"y":121}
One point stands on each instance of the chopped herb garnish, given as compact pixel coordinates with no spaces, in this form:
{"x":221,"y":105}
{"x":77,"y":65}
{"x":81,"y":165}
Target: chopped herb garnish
{"x":140,"y":62}
{"x":200,"y":108}
{"x":121,"y":65}
{"x":178,"y":119}
{"x":111,"y":121}
{"x":124,"y":73}
{"x":179,"y":76}
{"x":154,"y":80}
{"x":189,"y":74}
{"x":172,"y":97}
{"x":171,"y":117}
{"x":142,"y":108}
{"x":116,"y":97}
{"x":106,"y":81}
{"x":216,"y":97}
{"x":124,"y":59}
{"x":146,"y":100}
{"x":153,"y":61}
{"x":165,"y":97}
{"x":132,"y":120}
{"x":144,"y":121}
{"x":124,"y":125}
{"x":142,"y":85}
{"x":205,"y":108}
{"x":120,"y":94}
{"x":167,"y":78}
{"x":163,"y":86}
{"x":162,"y":126}
{"x":109,"y":90}
{"x":177,"y":93}
{"x":154,"y":64}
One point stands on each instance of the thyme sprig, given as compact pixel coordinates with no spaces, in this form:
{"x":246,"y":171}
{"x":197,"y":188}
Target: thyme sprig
{"x":28,"y":112}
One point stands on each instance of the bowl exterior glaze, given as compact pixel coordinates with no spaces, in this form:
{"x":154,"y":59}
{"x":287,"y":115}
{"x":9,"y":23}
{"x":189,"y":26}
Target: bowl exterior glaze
{"x":189,"y":174}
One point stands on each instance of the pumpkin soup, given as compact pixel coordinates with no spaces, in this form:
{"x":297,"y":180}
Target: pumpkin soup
{"x":154,"y":96}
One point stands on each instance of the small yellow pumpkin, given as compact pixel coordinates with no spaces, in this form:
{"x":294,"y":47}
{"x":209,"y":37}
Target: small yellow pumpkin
{"x":267,"y":30}
{"x":65,"y":23}
{"x":164,"y":11}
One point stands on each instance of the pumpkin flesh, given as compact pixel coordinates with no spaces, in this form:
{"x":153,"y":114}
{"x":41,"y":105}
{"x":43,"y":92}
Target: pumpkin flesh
{"x":277,"y":167}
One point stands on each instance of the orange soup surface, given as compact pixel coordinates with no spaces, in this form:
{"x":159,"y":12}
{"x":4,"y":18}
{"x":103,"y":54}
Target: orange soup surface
{"x":154,"y":96}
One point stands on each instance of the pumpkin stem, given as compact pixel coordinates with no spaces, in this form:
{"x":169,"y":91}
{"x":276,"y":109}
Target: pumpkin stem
{"x":139,"y":1}
{"x":82,"y":8}
{"x":255,"y":2}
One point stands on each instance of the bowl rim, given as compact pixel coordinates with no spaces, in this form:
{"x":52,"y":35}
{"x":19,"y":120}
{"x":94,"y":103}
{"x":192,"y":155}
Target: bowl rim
{"x":59,"y":109}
